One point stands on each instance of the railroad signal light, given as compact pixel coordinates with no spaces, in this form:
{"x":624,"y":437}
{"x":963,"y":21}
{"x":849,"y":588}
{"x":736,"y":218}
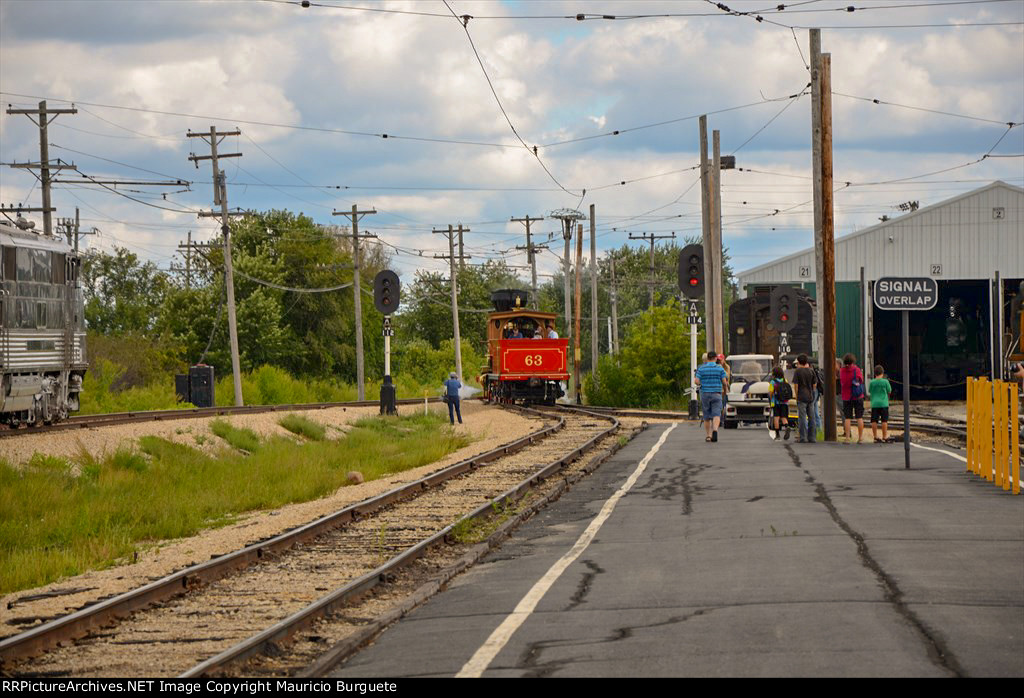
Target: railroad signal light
{"x":386,"y":288}
{"x":782,"y":308}
{"x":691,"y":271}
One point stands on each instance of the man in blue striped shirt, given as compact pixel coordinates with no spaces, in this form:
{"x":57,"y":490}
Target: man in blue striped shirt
{"x":712,"y":381}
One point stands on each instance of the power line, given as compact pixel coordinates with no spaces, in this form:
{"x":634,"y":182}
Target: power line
{"x":931,"y":111}
{"x":465,"y":28}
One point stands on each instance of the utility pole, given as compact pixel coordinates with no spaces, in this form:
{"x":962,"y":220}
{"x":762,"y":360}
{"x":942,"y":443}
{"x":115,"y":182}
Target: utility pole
{"x":220,"y":196}
{"x":354,"y":217}
{"x":531,"y":253}
{"x":462,"y":256}
{"x":615,"y":312}
{"x":579,"y":313}
{"x":593,"y":293}
{"x":454,"y":283}
{"x":711,"y":288}
{"x":187,"y":247}
{"x":824,"y":243}
{"x":652,"y":237}
{"x":717,"y":313}
{"x":567,"y":216}
{"x":44,"y":166}
{"x":828,"y":281}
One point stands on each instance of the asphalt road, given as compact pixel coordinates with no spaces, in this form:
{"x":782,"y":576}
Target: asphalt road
{"x":743,"y":558}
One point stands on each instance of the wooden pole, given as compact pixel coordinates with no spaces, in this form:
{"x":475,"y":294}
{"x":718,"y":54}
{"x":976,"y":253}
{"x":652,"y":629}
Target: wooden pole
{"x":827,"y":292}
{"x":579,"y":312}
{"x":718,"y":314}
{"x":593,"y":294}
{"x":706,"y":240}
{"x":615,"y":311}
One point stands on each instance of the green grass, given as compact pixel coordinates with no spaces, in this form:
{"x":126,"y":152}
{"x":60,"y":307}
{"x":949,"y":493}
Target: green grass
{"x":471,"y":531}
{"x":243,"y":439}
{"x":62,"y":517}
{"x":303,"y":426}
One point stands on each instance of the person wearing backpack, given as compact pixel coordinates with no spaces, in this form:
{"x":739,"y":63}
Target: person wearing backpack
{"x":851,"y":379}
{"x":780,"y":393}
{"x":806,"y":387}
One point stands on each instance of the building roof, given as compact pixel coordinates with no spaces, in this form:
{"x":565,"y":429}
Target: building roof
{"x":901,"y":222}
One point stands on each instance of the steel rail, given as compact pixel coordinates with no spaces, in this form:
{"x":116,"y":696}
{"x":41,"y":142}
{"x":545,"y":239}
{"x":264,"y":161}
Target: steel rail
{"x":113,"y":418}
{"x":301,"y":619}
{"x":80,"y":623}
{"x":627,"y":412}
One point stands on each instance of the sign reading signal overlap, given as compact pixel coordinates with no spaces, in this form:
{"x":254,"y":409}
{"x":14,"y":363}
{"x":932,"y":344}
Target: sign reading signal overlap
{"x":906,"y":293}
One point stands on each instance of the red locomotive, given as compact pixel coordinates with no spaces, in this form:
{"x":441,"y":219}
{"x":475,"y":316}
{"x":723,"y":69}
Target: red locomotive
{"x":523,"y":365}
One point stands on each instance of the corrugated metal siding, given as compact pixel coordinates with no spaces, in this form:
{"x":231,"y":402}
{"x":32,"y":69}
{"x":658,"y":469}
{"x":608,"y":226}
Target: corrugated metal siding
{"x":20,"y":359}
{"x":962,"y":235}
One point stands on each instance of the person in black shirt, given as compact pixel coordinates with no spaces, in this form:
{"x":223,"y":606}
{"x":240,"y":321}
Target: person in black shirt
{"x":806,"y":384}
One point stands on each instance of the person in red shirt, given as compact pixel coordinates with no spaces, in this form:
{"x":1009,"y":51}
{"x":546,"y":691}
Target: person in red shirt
{"x":851,"y":380}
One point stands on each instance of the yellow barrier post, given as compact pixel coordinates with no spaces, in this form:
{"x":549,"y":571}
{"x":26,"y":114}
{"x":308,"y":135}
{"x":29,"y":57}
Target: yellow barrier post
{"x":1003,"y":438}
{"x":970,"y":425}
{"x":986,"y":426}
{"x":1014,"y":440}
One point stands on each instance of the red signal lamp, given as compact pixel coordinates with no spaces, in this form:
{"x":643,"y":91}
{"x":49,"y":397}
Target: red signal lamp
{"x":693,"y":281}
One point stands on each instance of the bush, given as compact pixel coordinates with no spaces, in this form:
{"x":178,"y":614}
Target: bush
{"x":653,"y":369}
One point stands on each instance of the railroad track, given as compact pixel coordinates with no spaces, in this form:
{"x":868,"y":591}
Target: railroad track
{"x":205,"y":619}
{"x":113,"y":418}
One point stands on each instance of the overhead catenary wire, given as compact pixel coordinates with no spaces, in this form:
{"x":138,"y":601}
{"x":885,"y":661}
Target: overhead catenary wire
{"x":464,"y":20}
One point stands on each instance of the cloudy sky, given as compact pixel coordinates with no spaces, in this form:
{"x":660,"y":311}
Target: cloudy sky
{"x":610,"y":102}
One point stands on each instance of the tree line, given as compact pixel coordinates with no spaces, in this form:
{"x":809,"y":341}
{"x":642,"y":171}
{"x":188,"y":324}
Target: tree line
{"x":155,"y":322}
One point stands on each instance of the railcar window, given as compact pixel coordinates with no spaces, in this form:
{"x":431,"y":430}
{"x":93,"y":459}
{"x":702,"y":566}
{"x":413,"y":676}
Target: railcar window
{"x":41,"y":261}
{"x":34,"y":265}
{"x":10,"y":263}
{"x":55,"y":315}
{"x":58,"y":268}
{"x":24,"y":264}
{"x":26,"y":314}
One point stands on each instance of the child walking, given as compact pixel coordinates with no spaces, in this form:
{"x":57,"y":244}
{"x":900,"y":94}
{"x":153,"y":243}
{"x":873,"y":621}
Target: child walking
{"x":879,"y":390}
{"x":780,"y":393}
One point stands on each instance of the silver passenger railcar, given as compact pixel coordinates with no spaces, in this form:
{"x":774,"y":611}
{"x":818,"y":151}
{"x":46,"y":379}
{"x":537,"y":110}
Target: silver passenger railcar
{"x":42,"y":327}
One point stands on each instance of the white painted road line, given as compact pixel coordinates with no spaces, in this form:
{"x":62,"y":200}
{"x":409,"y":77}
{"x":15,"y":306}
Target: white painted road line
{"x":948,"y":453}
{"x":483,"y":657}
{"x":939,"y":450}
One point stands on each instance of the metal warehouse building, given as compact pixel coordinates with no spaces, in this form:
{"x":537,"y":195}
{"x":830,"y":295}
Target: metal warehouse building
{"x":972,"y":244}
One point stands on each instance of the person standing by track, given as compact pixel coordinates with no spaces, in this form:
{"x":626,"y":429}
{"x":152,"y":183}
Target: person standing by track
{"x":806,"y":385}
{"x":451,"y":397}
{"x":779,"y":394}
{"x":711,"y":381}
{"x":851,"y":379}
{"x":879,"y":390}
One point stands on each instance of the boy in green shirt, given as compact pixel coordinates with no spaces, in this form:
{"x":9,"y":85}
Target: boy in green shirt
{"x":879,"y":390}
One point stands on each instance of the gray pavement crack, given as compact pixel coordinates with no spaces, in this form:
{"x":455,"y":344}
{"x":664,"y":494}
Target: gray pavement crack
{"x":937,"y":650}
{"x":584,"y":586}
{"x":677,"y":483}
{"x":530,"y":659}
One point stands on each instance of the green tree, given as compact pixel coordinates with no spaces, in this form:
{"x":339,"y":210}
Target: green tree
{"x":654,"y":366}
{"x":122,"y":293}
{"x":427,"y":309}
